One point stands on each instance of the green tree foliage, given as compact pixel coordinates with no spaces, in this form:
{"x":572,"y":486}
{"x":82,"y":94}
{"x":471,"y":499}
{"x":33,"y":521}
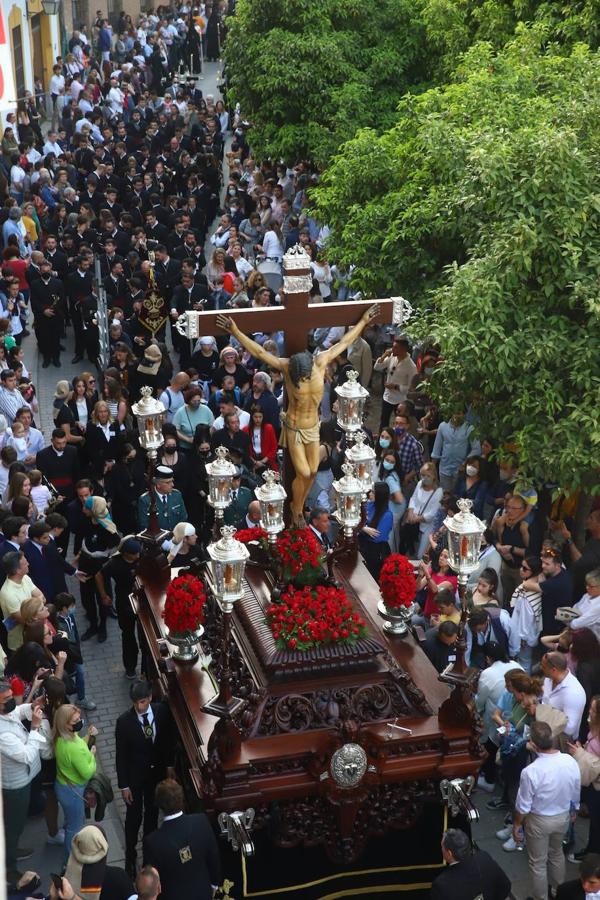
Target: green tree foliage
{"x":308,"y":74}
{"x":483,"y":205}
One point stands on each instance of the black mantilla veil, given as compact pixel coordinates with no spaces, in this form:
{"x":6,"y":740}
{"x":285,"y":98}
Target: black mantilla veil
{"x":300,"y":366}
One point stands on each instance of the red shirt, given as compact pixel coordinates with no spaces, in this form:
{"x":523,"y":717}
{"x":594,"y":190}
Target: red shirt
{"x":16,"y":268}
{"x":431,"y":607}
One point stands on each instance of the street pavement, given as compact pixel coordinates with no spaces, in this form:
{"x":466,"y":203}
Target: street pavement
{"x":107,"y":686}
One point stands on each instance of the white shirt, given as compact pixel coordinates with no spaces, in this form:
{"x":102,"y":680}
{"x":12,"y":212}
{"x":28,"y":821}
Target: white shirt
{"x":549,"y":786}
{"x":526,"y":618}
{"x":589,"y":607}
{"x":399,"y":374}
{"x":243,"y":416}
{"x":490,"y":686}
{"x":19,"y":748}
{"x":150,"y":716}
{"x":569,"y":697}
{"x":115,"y":99}
{"x":57,"y":84}
{"x":425,"y":503}
{"x":52,"y":147}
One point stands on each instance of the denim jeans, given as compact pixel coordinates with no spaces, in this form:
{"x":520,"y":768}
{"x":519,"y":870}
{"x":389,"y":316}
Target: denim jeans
{"x":70,"y":797}
{"x":79,"y":675}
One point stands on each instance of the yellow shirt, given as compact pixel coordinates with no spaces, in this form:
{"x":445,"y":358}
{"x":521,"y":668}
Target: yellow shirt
{"x":453,"y":617}
{"x":30,"y":228}
{"x":11,"y":597}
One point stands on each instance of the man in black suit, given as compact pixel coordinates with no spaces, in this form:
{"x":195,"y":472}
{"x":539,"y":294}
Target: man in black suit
{"x":470,"y":874}
{"x":34,"y":549}
{"x":184,"y":849}
{"x":59,"y":463}
{"x":145,"y":748}
{"x":587,"y":883}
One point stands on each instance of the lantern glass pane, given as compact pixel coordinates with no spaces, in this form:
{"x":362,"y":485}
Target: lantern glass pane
{"x":350,"y":413}
{"x":228,"y":576}
{"x":219,"y":489}
{"x":271,"y":514}
{"x":348,"y":508}
{"x":463,"y":551}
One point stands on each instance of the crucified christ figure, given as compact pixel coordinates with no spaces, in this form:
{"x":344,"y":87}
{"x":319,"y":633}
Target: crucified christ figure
{"x":304,"y":377}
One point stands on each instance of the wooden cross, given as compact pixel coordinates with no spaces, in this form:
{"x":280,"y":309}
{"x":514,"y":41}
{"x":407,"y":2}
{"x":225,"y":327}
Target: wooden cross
{"x":296,"y":316}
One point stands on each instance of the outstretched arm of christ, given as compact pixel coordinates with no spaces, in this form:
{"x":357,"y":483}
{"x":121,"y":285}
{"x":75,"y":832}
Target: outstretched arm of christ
{"x":227,"y":324}
{"x":327,"y":356}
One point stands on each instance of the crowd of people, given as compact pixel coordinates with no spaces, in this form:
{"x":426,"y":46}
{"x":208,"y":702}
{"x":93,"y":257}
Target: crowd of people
{"x":127,"y":182}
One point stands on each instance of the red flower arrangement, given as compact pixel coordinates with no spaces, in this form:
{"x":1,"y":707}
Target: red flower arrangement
{"x":313,"y":616}
{"x":184,"y":604}
{"x":245,"y":535}
{"x":299,"y":553}
{"x":397,"y":582}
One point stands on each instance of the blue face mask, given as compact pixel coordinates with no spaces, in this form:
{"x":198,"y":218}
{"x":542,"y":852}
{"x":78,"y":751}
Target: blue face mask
{"x":387,"y":465}
{"x":384,"y":442}
{"x":399,"y":429}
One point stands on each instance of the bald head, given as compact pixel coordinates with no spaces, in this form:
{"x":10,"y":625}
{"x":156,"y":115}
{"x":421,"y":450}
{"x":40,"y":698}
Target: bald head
{"x":253,"y":511}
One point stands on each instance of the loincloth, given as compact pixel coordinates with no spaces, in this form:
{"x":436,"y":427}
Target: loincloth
{"x":297,"y":435}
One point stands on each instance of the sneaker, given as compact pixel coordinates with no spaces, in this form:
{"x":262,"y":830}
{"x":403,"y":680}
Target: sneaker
{"x":576,"y":856}
{"x":24,"y":852}
{"x":484,"y":785}
{"x":58,"y":838}
{"x":511,"y":845}
{"x":504,"y":833}
{"x":86,"y":704}
{"x":497,"y":803}
{"x":131,"y":675}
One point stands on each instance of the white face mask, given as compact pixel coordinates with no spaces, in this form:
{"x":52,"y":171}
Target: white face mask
{"x":595,"y":895}
{"x":471,"y":470}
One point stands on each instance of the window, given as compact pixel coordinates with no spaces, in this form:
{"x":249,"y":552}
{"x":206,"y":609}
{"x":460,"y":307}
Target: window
{"x":17,"y":43}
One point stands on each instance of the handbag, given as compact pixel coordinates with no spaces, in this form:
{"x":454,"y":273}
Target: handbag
{"x":513,"y":742}
{"x":409,"y":531}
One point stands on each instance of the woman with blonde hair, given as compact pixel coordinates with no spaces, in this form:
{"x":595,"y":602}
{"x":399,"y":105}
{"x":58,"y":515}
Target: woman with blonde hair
{"x":75,"y":765}
{"x":102,"y":439}
{"x":184,"y":546}
{"x":422,"y":508}
{"x":215,"y":267}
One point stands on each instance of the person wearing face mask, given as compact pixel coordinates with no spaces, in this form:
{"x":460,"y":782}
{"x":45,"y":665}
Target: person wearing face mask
{"x":75,"y":765}
{"x":422,"y":509}
{"x":469,"y":485}
{"x":191,"y":414}
{"x":388,"y":472}
{"x":587,"y":886}
{"x":454,"y":442}
{"x":20,"y":764}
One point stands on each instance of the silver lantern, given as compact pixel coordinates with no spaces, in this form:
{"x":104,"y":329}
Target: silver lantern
{"x":227,"y":564}
{"x":364,"y":460}
{"x":220,"y":475}
{"x":349,"y":493}
{"x":465,"y":532}
{"x":271,"y":497}
{"x":351,"y":403}
{"x":150,"y":414}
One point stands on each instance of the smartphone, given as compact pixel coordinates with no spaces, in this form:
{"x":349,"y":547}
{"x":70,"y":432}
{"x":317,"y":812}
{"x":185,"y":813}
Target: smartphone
{"x":56,"y":881}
